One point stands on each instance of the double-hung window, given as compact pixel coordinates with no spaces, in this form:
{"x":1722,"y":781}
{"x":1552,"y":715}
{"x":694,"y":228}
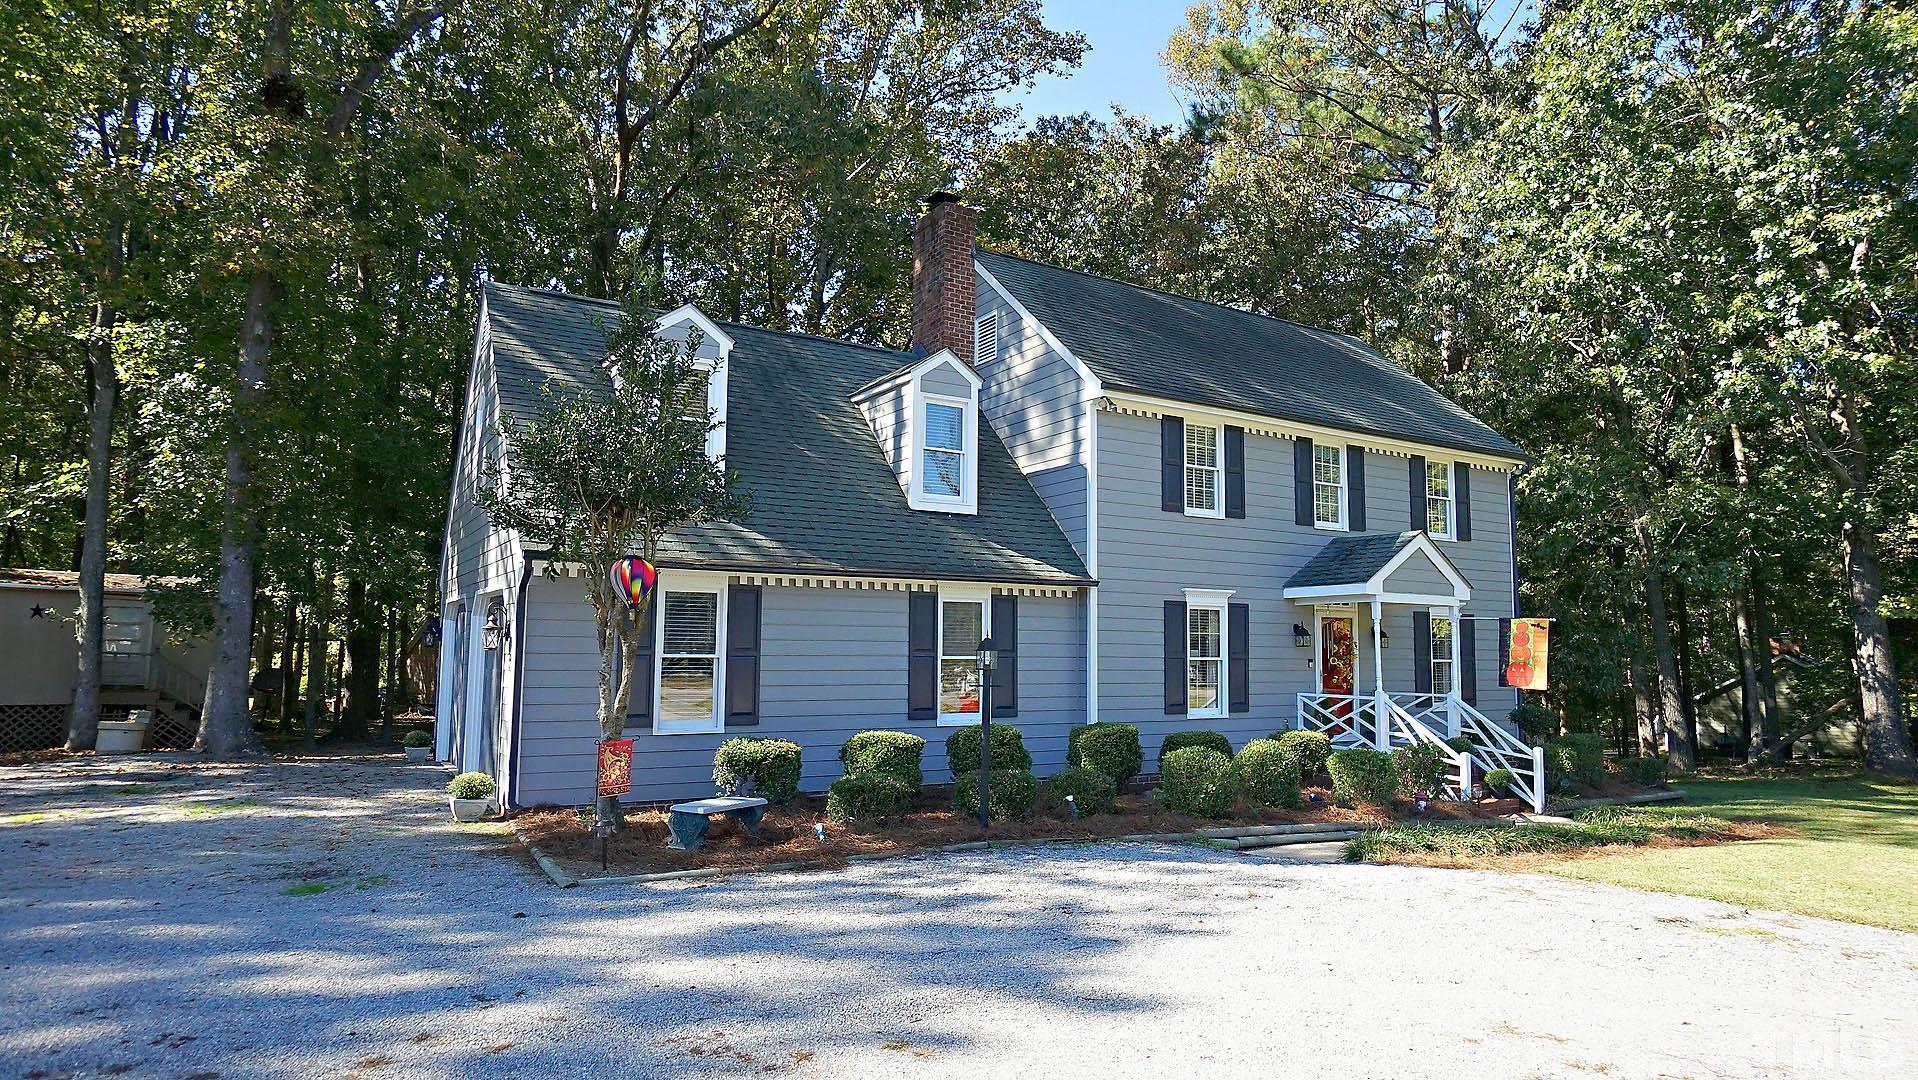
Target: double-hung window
{"x":1328,"y":486}
{"x":944,"y":457}
{"x":1442,"y":653}
{"x":1205,"y":660}
{"x":689,"y":663}
{"x":962,"y":624}
{"x":1438,"y":499}
{"x":1204,"y":494}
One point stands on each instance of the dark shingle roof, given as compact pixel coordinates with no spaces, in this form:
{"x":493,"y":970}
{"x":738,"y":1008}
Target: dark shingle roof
{"x":824,"y":499}
{"x":1149,"y":342}
{"x":1350,"y":560}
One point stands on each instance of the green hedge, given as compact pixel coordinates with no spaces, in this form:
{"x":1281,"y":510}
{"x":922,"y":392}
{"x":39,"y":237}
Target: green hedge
{"x":1092,"y":791}
{"x":867,"y":796}
{"x":1012,"y":793}
{"x":1268,"y":774}
{"x":1197,"y":780}
{"x":1649,"y":771}
{"x":1112,"y":749}
{"x":1363,"y":776}
{"x":895,"y":753}
{"x":768,"y":768}
{"x":1008,"y":749}
{"x":1307,"y":749}
{"x":1579,"y":757}
{"x":1180,"y":740}
{"x":1422,"y":767}
{"x":1534,"y":722}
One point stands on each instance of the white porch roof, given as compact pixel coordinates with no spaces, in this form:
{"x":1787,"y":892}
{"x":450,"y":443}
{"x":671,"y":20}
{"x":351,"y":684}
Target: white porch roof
{"x":1392,"y":568}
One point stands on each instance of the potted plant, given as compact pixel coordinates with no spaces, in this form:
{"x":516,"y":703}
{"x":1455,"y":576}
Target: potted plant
{"x":471,"y":795}
{"x":1499,"y":781}
{"x":419,"y":746}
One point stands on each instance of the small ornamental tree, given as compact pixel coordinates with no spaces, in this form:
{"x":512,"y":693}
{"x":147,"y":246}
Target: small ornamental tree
{"x":602,"y":472}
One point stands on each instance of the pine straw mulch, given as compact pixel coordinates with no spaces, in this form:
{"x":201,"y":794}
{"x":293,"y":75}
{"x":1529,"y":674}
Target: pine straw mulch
{"x":1599,"y":841}
{"x":565,"y":835}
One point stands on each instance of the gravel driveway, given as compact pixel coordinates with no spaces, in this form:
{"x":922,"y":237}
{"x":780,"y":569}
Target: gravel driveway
{"x":147,"y":929}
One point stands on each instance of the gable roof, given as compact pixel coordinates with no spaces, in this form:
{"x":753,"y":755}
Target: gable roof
{"x":824,"y":499}
{"x":1358,"y":563}
{"x":1163,"y":345}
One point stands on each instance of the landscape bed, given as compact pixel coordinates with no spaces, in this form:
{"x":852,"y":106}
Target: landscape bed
{"x":1599,"y":830}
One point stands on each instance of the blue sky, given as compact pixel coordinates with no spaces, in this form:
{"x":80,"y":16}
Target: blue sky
{"x":1123,"y":65}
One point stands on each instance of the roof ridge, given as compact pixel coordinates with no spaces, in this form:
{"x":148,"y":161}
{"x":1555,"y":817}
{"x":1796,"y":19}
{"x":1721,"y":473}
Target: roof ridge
{"x":1182,"y":296}
{"x":561,"y":294}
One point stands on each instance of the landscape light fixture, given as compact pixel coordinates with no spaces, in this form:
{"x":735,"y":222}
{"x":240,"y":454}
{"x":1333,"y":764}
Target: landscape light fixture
{"x":988,"y":656}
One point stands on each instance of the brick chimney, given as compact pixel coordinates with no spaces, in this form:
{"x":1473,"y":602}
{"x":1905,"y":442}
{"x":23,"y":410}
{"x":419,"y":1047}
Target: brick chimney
{"x":943,"y":303}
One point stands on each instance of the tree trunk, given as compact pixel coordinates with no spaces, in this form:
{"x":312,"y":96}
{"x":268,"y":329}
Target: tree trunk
{"x":1771,"y":718}
{"x":361,"y":678}
{"x":289,"y":660}
{"x":1681,"y":748}
{"x":83,"y":721}
{"x":1645,"y":706}
{"x":1682,"y":653}
{"x":1887,"y":743}
{"x":316,"y":654}
{"x":226,"y":725}
{"x":1750,"y":694}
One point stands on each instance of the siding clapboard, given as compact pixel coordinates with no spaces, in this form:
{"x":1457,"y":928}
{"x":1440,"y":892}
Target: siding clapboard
{"x":1032,"y":400}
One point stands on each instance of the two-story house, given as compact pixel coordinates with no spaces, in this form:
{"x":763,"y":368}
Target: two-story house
{"x":1165,"y":512}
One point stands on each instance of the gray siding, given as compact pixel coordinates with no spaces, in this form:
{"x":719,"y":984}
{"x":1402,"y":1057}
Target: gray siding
{"x":1148,"y":556}
{"x":832,"y":663}
{"x":1032,"y":400}
{"x":1418,"y":574}
{"x":886,"y":411}
{"x":475,"y":552}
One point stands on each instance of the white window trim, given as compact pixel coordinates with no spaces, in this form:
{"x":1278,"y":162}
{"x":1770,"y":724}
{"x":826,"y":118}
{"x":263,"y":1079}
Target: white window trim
{"x":1451,"y":657}
{"x":691,"y":581}
{"x":1210,"y":600}
{"x":965,"y":594}
{"x":1217,"y":510}
{"x":917,"y":497}
{"x":1451,"y":499}
{"x":1345,"y":516}
{"x":714,"y":367}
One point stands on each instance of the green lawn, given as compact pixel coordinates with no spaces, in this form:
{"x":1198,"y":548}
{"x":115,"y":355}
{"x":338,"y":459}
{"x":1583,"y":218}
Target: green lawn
{"x":1855,"y":858}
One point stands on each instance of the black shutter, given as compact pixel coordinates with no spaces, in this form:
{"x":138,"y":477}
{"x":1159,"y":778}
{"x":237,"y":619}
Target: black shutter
{"x":1418,"y":493}
{"x":1172,"y":464}
{"x":1462,"y":499}
{"x":1234,"y":472}
{"x":639,"y":707}
{"x":1504,"y":649}
{"x":742,"y":656}
{"x":1302,"y":480}
{"x":1175,"y":645}
{"x":1467,"y":634}
{"x":1238,"y":674}
{"x":1355,"y":487}
{"x":922,"y":657}
{"x":1005,"y":635}
{"x":1422,"y":651}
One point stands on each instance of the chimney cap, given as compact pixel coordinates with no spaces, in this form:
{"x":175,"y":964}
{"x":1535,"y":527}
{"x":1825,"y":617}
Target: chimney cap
{"x":943,"y":195}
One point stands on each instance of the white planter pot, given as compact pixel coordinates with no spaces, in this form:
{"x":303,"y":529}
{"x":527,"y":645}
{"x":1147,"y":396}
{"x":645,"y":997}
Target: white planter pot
{"x":419,"y":755}
{"x":121,"y":737}
{"x":469,"y":809}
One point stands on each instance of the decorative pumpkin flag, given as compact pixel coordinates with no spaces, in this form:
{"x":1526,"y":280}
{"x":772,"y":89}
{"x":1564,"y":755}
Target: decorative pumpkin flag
{"x":1527,"y":653}
{"x":634,"y":579}
{"x":615,"y":767}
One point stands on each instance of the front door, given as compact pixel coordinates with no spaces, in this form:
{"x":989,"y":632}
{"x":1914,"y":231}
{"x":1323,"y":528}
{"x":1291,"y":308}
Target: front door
{"x":1338,"y":654}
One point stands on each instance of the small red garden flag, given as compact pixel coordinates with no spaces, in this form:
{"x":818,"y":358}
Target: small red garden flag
{"x":1527,"y":653}
{"x":615,"y":767}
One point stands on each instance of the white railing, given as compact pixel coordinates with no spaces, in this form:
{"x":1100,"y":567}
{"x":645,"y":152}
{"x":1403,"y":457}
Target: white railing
{"x":1384,"y":722}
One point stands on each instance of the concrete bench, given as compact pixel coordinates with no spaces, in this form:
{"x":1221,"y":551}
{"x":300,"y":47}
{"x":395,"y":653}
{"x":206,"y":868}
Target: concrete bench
{"x":687,"y":821}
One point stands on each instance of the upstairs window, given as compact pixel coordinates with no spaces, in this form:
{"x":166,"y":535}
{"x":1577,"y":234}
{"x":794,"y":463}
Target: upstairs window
{"x":944,"y":457}
{"x":1328,"y":486}
{"x":1203,"y":493}
{"x":1438,"y":499}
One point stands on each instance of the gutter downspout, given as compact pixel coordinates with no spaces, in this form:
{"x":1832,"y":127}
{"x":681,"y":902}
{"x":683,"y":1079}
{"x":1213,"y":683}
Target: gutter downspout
{"x":511,"y":798}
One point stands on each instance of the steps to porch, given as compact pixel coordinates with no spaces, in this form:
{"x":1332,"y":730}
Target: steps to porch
{"x":1387,"y":721}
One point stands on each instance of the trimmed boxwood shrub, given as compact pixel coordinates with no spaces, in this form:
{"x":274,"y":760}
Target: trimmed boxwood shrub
{"x":1092,"y":790}
{"x":1649,"y":771}
{"x":895,"y":753}
{"x":1363,"y":776}
{"x":1268,"y":775}
{"x":1112,"y":749}
{"x":1197,"y":780}
{"x":471,"y":785}
{"x":867,"y":796}
{"x":1180,"y":740}
{"x":1008,"y":749}
{"x":1422,"y":767}
{"x":768,"y":768}
{"x":1012,"y":795}
{"x":1499,"y":780}
{"x":1307,"y":749}
{"x":1579,"y":757}
{"x":417,"y":738}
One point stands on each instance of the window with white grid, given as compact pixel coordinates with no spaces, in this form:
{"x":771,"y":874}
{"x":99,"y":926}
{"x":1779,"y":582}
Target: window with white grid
{"x":1438,"y":499}
{"x":944,"y":458}
{"x":1328,"y":486}
{"x":1205,"y":660}
{"x":1202,"y":487}
{"x":1442,"y":673}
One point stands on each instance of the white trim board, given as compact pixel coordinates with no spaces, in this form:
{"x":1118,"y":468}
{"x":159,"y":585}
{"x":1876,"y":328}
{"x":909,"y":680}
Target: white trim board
{"x":1148,"y":405}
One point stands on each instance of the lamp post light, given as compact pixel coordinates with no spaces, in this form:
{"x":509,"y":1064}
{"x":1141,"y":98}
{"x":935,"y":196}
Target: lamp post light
{"x":988,"y":656}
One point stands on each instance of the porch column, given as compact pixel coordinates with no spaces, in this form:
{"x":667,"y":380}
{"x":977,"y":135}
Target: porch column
{"x":1452,"y":698}
{"x":1381,"y":711}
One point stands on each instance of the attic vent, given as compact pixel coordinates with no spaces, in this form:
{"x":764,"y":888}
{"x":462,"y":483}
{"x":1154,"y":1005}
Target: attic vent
{"x":985,"y":338}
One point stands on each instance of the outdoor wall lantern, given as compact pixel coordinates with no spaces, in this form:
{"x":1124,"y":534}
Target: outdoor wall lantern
{"x":493,"y":634}
{"x":1301,"y":636}
{"x":1385,"y":640}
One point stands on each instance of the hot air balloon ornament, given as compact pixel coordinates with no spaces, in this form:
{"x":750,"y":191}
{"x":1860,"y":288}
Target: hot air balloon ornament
{"x":634,"y":579}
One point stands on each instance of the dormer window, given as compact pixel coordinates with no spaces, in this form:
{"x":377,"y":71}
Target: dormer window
{"x":712,"y":358}
{"x":926,"y":419}
{"x":944,"y":456}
